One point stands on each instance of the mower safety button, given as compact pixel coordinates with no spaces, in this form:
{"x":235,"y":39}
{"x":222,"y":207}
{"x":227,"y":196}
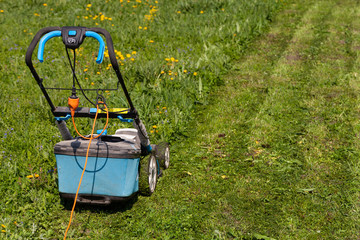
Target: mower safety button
{"x":72,"y":33}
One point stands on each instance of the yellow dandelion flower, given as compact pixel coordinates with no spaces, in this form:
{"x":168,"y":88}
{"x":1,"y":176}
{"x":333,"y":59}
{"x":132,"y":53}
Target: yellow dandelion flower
{"x":195,"y":73}
{"x":201,"y":12}
{"x":85,"y":70}
{"x":132,"y":59}
{"x":128,"y":55}
{"x":172,"y":59}
{"x":140,"y":27}
{"x":30,"y":176}
{"x":154,"y":126}
{"x":89,"y":5}
{"x":3,"y":225}
{"x":171,"y":78}
{"x":145,"y":28}
{"x":3,"y":231}
{"x":178,"y":11}
{"x":1,"y":11}
{"x":92,"y":84}
{"x":170,"y":73}
{"x":185,"y":71}
{"x":151,"y":131}
{"x":164,"y":108}
{"x":133,"y":52}
{"x":86,"y":17}
{"x":167,"y":59}
{"x":151,"y":41}
{"x":110,"y":19}
{"x":45,"y":4}
{"x":162,"y":72}
{"x":98,"y":73}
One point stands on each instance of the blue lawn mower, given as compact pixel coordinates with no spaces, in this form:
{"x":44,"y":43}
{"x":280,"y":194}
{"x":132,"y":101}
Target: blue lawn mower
{"x":112,"y":167}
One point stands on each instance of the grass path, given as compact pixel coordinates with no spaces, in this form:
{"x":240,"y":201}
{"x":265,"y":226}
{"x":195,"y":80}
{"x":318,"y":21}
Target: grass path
{"x":274,"y":156}
{"x":279,"y":146}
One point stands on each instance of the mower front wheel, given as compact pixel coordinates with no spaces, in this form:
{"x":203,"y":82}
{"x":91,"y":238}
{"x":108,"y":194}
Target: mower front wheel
{"x":163,"y":154}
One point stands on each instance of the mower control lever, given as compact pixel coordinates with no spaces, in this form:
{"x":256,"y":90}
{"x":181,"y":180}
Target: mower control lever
{"x":72,"y":39}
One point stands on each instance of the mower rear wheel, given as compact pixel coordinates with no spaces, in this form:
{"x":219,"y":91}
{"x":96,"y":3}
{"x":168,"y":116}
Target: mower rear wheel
{"x":163,"y":154}
{"x":148,"y":175}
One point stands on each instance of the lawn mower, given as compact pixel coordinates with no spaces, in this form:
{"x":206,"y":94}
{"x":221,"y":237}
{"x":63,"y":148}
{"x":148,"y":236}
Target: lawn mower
{"x":110,"y":168}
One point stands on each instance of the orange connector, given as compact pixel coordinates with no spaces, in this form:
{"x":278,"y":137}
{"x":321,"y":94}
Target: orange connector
{"x":73,"y":103}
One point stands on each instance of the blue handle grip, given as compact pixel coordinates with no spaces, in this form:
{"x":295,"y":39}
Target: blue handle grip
{"x":42,"y":42}
{"x":100,"y":56}
{"x":52,"y":34}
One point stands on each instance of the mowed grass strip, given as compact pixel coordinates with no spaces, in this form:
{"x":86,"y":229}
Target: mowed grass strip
{"x":279,"y":148}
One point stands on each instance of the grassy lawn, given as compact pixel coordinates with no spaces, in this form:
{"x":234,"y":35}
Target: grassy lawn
{"x":264,"y":130}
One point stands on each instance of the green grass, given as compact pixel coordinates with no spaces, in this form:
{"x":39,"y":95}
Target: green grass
{"x":172,"y":54}
{"x":269,"y":150}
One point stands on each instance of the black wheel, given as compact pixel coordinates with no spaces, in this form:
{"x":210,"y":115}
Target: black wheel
{"x":148,"y":175}
{"x":163,"y":154}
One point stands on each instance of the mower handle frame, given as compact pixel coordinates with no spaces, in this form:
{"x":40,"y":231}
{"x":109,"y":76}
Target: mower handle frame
{"x":66,"y":29}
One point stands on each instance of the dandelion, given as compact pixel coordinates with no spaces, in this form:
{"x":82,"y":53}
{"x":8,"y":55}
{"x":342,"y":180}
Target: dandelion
{"x":92,"y":84}
{"x":128,"y":55}
{"x":1,"y":11}
{"x":178,"y":11}
{"x":89,"y":5}
{"x":154,"y":126}
{"x":132,"y":59}
{"x":195,"y":73}
{"x":185,"y":71}
{"x":151,"y":131}
{"x":133,"y":52}
{"x":162,"y":72}
{"x":140,"y":27}
{"x":145,"y":28}
{"x":98,"y":73}
{"x":151,"y":41}
{"x":2,"y":225}
{"x":201,"y":12}
{"x":36,"y":14}
{"x":85,"y":70}
{"x":45,"y":4}
{"x":164,"y":108}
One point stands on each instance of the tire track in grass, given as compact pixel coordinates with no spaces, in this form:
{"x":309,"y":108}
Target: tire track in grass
{"x":304,"y":213}
{"x":329,"y":143}
{"x":230,"y":118}
{"x":281,"y":119}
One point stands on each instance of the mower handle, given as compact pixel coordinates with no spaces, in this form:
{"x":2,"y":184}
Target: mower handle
{"x":71,"y":39}
{"x":83,"y":31}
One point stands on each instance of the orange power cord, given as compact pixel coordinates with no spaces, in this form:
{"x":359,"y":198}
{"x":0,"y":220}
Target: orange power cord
{"x":73,"y":105}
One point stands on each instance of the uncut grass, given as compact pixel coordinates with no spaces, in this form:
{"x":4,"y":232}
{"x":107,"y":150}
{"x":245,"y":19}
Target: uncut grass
{"x":204,"y":43}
